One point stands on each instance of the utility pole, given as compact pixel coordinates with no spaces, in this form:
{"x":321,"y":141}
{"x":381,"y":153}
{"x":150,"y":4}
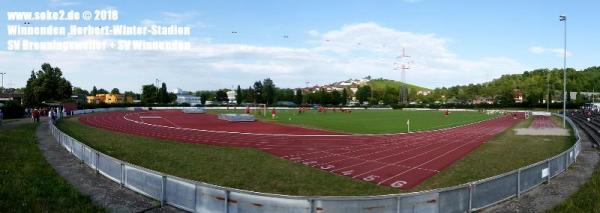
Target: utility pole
{"x":563,"y":18}
{"x":2,"y":73}
{"x":403,"y":65}
{"x":594,"y":95}
{"x":548,"y":92}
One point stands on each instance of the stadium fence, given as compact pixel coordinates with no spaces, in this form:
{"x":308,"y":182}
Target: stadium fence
{"x":197,"y":196}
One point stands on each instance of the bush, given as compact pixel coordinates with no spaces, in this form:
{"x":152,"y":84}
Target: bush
{"x":12,"y":109}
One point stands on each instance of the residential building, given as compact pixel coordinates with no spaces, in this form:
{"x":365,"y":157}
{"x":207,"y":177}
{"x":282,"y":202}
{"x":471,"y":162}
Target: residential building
{"x":109,"y":99}
{"x":231,"y":96}
{"x":189,"y":99}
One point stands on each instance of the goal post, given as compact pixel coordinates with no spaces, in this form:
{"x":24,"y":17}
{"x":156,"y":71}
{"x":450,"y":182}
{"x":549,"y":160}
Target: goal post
{"x":263,"y":108}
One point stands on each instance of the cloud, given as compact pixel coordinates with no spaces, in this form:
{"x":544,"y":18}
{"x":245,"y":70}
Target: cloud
{"x":313,"y":33}
{"x":559,"y":52}
{"x":178,"y":18}
{"x":352,"y":51}
{"x":63,"y":3}
{"x":434,"y":63}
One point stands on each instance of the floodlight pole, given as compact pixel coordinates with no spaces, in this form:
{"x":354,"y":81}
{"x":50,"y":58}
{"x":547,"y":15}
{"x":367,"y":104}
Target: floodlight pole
{"x":2,"y":73}
{"x":403,"y":97}
{"x":548,"y":92}
{"x":563,"y":18}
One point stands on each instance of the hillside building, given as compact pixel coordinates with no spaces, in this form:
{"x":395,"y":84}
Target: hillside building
{"x":109,"y":99}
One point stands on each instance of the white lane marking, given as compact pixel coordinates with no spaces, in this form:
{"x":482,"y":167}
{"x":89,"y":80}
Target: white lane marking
{"x":150,"y":117}
{"x":293,"y":135}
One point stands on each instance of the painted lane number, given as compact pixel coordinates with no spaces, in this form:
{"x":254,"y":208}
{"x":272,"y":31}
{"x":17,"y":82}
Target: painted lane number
{"x":370,"y":178}
{"x":328,"y":167}
{"x":398,"y":184}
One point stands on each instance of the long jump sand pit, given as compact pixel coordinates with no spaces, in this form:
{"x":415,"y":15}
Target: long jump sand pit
{"x":542,"y":126}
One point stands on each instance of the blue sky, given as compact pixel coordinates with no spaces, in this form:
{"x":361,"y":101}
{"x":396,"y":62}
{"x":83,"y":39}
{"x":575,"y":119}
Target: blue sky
{"x":451,"y":42}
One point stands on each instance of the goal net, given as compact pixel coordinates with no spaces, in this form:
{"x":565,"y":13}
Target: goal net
{"x":262,"y":108}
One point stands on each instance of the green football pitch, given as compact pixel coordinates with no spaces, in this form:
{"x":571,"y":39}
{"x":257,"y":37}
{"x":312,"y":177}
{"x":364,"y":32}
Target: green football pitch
{"x":371,"y":121}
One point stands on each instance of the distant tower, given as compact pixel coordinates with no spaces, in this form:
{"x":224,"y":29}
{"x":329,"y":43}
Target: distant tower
{"x":403,"y":64}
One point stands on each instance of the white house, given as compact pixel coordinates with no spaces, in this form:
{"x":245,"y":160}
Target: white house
{"x":190,"y":99}
{"x":424,"y":92}
{"x":231,"y":96}
{"x":178,"y":91}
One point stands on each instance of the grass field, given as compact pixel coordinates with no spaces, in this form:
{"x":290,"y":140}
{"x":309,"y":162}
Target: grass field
{"x":257,"y":171}
{"x":585,"y":199}
{"x":242,"y":168}
{"x":28,"y":183}
{"x":503,"y":153}
{"x":373,"y":121}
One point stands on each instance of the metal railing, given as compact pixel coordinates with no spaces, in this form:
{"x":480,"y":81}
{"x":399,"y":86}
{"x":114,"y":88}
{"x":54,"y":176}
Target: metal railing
{"x":197,"y":196}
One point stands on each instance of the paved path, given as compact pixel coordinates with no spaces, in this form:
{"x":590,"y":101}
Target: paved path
{"x":101,"y":190}
{"x":544,"y":197}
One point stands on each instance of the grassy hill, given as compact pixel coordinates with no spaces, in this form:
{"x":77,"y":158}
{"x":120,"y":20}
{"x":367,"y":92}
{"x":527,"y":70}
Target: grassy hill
{"x":381,"y":84}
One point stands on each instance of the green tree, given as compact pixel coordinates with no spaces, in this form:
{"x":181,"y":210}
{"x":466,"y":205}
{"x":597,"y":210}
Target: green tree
{"x":344,"y":97}
{"x":222,"y":96}
{"x":94,"y":91}
{"x":149,"y":94}
{"x":102,"y":91}
{"x":268,"y":91}
{"x":239,"y":95}
{"x":163,"y":94}
{"x":363,"y":93}
{"x":258,"y":89}
{"x":249,"y":95}
{"x":131,"y":94}
{"x":172,"y":97}
{"x":205,"y":96}
{"x":79,"y":91}
{"x":115,"y":91}
{"x":324,"y":97}
{"x":298,"y":97}
{"x":47,"y":85}
{"x":30,"y":97}
{"x":336,"y":97}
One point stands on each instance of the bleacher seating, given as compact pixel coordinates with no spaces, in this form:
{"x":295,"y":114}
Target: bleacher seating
{"x":590,"y":128}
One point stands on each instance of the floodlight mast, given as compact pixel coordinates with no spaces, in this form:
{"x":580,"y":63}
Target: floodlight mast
{"x":563,"y":18}
{"x":2,"y":73}
{"x":548,"y":92}
{"x":403,"y":66}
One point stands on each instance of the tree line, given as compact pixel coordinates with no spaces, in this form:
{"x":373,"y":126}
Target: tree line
{"x":46,"y":85}
{"x":49,"y":85}
{"x":536,"y":86}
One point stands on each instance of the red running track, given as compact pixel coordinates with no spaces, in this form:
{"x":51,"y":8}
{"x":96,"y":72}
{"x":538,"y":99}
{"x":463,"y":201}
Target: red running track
{"x":542,"y":122}
{"x":395,"y":160}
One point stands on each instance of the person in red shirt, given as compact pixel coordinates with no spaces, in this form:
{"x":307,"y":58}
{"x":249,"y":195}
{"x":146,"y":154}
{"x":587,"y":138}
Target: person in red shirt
{"x":248,"y":110}
{"x":35,"y":115}
{"x":273,"y":113}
